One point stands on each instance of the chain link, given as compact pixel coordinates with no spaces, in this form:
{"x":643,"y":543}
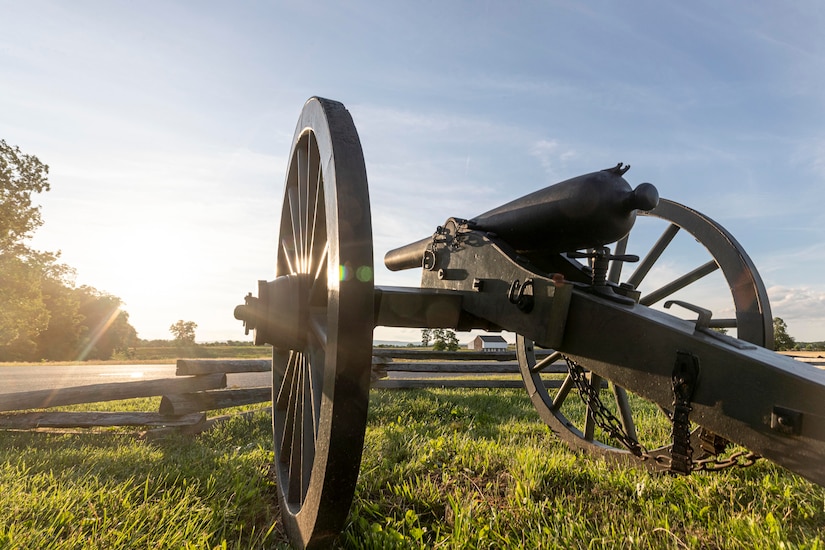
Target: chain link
{"x":740,"y":459}
{"x":683,"y":383}
{"x":602,"y":416}
{"x":611,"y":425}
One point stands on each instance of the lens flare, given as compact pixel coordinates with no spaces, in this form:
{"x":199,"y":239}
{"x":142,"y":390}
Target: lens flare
{"x":364,"y":274}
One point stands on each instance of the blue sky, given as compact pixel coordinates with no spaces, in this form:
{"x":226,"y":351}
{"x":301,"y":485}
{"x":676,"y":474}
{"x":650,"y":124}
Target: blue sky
{"x":167,"y":126}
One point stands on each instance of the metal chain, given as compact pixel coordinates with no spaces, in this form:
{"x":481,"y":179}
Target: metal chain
{"x":739,"y":459}
{"x":684,"y":383}
{"x":608,"y":422}
{"x":602,"y":416}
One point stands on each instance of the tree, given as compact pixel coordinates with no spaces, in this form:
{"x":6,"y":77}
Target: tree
{"x":106,"y":329}
{"x":42,"y":314}
{"x":61,"y":338}
{"x":782,"y":340}
{"x":444,"y":340}
{"x":426,"y":336}
{"x":23,"y":313}
{"x":20,"y":177}
{"x":184,"y":332}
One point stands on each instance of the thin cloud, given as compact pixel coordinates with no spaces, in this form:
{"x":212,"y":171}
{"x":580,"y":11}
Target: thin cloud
{"x":802,"y":308}
{"x":552,"y":156}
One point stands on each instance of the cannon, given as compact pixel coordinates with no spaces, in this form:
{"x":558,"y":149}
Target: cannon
{"x":551,"y":267}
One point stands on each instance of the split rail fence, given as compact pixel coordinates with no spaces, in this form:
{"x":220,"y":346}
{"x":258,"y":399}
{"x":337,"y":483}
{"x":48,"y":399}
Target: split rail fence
{"x":200,"y":387}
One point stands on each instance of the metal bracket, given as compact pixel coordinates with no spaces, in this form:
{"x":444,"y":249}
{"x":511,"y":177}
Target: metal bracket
{"x":786,"y":421}
{"x":703,"y":325}
{"x":703,"y":321}
{"x":517,"y":294}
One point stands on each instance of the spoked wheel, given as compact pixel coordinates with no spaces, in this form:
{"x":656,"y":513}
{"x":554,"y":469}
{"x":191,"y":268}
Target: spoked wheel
{"x":319,"y":319}
{"x":726,"y":282}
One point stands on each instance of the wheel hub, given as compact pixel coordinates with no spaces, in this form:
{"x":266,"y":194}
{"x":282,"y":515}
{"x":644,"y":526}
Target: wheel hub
{"x":279,"y":316}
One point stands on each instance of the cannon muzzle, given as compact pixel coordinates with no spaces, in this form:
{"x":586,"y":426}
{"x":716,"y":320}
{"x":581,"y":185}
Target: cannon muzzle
{"x":587,"y":211}
{"x":409,"y":256}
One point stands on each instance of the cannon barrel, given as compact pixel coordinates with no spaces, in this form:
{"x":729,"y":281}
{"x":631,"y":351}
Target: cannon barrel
{"x":409,"y":256}
{"x":583,"y":212}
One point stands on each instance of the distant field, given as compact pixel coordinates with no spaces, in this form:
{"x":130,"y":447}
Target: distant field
{"x":210,"y":351}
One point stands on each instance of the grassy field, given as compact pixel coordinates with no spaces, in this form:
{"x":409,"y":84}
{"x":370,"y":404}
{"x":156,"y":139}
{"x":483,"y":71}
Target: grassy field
{"x":206,"y":351}
{"x":170,"y":354}
{"x":441,"y":469}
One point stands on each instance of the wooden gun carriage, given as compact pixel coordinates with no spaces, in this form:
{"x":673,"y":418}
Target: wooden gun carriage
{"x":539,"y":267}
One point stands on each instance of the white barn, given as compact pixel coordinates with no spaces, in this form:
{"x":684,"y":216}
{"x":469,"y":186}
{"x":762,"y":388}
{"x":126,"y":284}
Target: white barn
{"x":488,"y":343}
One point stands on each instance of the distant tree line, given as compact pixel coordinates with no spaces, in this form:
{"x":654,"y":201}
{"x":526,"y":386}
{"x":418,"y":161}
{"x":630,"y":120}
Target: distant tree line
{"x":166,"y":343}
{"x":44,"y":315}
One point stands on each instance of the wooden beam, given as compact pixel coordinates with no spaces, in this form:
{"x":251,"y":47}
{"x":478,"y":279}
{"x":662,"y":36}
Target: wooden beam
{"x":403,"y":353}
{"x":184,"y":403}
{"x":468,"y":367}
{"x":211,"y":366}
{"x":95,"y":393}
{"x":418,"y":383}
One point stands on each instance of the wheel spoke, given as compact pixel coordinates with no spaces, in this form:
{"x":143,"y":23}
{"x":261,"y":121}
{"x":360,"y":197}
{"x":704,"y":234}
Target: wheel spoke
{"x":286,"y":383}
{"x":679,"y":284}
{"x":589,"y":425}
{"x":317,"y":228}
{"x":615,"y":266}
{"x":287,"y":438}
{"x":306,"y":186}
{"x":595,"y":382}
{"x":289,"y":252}
{"x":296,"y":439}
{"x":563,"y":392}
{"x":308,"y":430}
{"x":318,"y":291}
{"x":293,"y":195}
{"x":653,"y":255}
{"x":546,"y":362}
{"x":723,"y":323}
{"x":625,"y":413}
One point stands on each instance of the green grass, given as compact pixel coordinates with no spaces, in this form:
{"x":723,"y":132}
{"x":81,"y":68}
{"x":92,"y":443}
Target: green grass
{"x":109,"y":489}
{"x":441,"y":469}
{"x":476,"y":469}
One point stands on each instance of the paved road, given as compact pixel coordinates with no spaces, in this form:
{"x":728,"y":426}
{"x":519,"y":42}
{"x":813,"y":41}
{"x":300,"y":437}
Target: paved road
{"x":47,"y":377}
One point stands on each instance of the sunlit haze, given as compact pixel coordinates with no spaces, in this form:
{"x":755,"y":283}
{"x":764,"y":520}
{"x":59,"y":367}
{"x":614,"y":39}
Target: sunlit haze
{"x":167,"y":125}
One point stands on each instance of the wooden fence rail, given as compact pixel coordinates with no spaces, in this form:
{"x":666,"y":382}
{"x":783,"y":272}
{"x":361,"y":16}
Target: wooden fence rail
{"x":200,"y":386}
{"x":96,"y":393}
